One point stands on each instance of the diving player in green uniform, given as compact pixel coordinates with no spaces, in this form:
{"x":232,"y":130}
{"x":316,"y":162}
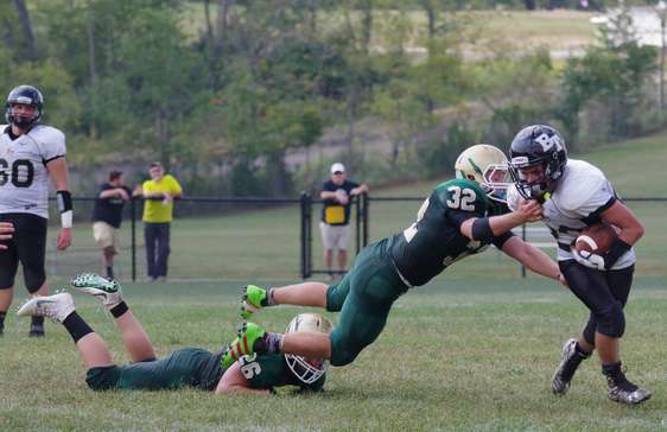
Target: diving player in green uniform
{"x":461,"y":217}
{"x":186,"y":367}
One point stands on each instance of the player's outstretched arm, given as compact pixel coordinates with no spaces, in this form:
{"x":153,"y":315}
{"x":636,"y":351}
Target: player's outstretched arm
{"x":233,"y":381}
{"x":533,"y":258}
{"x":486,"y":228}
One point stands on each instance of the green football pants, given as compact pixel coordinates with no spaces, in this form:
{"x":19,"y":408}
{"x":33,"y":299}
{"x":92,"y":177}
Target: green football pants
{"x":364,"y":298}
{"x":183,"y":367}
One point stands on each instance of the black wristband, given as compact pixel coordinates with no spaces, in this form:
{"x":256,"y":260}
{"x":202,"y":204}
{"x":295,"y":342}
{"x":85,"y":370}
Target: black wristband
{"x":481,"y":230}
{"x":618,"y":249}
{"x":64,"y":199}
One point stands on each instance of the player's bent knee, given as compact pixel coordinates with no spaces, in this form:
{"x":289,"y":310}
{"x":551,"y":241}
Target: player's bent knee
{"x":103,"y":378}
{"x":343,"y":349}
{"x":34,"y":280}
{"x":342,"y":357}
{"x":611,"y":321}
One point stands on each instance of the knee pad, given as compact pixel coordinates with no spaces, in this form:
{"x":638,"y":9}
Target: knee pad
{"x":343,"y":349}
{"x":611,"y":321}
{"x":33,"y":279}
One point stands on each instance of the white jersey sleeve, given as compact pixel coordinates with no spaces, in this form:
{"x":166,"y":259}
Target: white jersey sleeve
{"x":50,"y":141}
{"x":588,"y":192}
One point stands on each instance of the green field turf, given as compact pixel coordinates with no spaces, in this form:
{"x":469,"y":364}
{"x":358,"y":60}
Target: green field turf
{"x":474,"y":350}
{"x":460,"y":355}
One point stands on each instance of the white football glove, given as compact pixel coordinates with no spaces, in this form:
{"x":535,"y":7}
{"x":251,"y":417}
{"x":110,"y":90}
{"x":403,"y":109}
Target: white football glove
{"x":588,"y":259}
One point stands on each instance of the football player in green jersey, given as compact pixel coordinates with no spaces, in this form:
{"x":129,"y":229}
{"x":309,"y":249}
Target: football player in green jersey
{"x":186,"y":367}
{"x":461,"y":217}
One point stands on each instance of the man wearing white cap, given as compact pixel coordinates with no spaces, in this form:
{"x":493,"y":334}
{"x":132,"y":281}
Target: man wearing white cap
{"x":335,"y":222}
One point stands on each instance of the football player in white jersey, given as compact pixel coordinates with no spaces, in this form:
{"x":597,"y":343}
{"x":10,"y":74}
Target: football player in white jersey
{"x":30,"y":154}
{"x":575,"y":194}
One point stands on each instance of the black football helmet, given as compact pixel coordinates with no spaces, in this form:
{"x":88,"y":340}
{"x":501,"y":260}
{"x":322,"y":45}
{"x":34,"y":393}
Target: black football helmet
{"x":24,"y":95}
{"x":537,"y":145}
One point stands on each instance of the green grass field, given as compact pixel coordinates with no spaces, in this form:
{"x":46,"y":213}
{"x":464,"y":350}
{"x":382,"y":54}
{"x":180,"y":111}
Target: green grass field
{"x":457,"y":355}
{"x":474,"y":350}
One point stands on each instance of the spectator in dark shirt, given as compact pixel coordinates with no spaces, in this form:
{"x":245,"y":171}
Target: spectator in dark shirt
{"x":334,"y":227}
{"x":107,"y":217}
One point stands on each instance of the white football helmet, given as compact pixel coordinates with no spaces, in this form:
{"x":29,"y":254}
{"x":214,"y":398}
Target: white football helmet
{"x":308,"y":370}
{"x":487,"y":166}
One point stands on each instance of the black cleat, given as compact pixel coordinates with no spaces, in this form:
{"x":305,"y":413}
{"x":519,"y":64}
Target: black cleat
{"x":36,"y":330}
{"x":621,"y":390}
{"x":570,"y":361}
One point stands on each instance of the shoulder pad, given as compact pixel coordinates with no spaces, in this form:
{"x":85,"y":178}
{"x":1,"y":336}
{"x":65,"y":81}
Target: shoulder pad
{"x":47,"y":135}
{"x":579,"y":183}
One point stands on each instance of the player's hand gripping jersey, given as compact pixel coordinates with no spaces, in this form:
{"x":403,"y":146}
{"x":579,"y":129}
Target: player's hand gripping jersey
{"x":435,"y":241}
{"x":24,"y":179}
{"x":583,"y":193}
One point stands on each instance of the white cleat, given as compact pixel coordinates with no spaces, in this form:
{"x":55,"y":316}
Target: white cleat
{"x":105,"y":290}
{"x":57,"y":307}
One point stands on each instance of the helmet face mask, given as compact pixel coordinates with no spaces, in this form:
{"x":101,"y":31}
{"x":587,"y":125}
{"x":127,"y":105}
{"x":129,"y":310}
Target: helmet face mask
{"x":487,"y":166}
{"x":305,"y":369}
{"x":530,"y":180}
{"x":537,"y":160}
{"x":24,"y":95}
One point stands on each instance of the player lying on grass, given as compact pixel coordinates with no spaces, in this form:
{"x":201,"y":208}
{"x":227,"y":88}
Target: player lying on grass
{"x":455,"y":221}
{"x":6,"y":233}
{"x":191,"y":367}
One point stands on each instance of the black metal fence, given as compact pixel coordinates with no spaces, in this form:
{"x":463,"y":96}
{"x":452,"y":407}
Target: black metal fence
{"x":386,"y":208}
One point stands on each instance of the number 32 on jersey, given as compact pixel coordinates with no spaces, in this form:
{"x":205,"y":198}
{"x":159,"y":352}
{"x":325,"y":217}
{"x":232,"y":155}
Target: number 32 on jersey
{"x":461,"y":199}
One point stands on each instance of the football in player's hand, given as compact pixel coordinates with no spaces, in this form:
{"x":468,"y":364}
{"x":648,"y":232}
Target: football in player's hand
{"x":596,"y":238}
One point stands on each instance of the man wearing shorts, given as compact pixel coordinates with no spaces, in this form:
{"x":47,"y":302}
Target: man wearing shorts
{"x":335,"y":224}
{"x":107,"y":217}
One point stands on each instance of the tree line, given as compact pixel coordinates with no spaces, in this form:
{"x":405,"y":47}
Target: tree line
{"x":224,"y":102}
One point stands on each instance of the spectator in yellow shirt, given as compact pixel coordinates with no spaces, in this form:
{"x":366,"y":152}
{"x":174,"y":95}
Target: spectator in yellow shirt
{"x":159,"y":193}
